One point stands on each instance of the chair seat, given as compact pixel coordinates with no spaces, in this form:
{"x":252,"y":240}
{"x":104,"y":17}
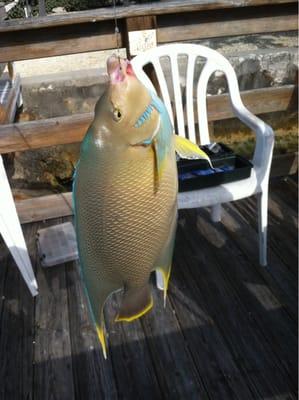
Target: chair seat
{"x":220,"y":194}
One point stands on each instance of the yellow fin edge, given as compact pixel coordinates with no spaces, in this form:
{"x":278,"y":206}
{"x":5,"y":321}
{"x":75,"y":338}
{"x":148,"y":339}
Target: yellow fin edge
{"x":140,"y":314}
{"x":101,"y":335}
{"x":166,"y":277}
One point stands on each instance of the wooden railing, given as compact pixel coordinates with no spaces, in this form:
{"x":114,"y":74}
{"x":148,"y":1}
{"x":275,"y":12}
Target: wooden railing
{"x":94,"y":30}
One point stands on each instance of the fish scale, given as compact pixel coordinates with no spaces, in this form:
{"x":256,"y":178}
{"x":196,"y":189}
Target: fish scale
{"x":131,"y":228}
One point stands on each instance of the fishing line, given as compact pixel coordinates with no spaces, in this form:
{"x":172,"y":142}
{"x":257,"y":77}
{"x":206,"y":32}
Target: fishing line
{"x":116,"y":32}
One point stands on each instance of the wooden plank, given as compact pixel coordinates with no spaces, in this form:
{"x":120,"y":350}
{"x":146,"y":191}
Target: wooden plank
{"x":90,"y":31}
{"x":52,"y":350}
{"x":264,"y":371}
{"x":103,"y":14}
{"x":130,"y":356}
{"x":276,"y":274}
{"x":254,"y":293}
{"x":171,"y":357}
{"x":45,"y":207}
{"x":17,"y":330}
{"x":93,"y":376}
{"x":219,"y":372}
{"x":59,"y":41}
{"x":70,"y":129}
{"x":285,"y":249}
{"x":284,"y":164}
{"x":202,"y":27}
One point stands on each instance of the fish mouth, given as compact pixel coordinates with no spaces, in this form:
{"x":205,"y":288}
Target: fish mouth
{"x":118,"y":69}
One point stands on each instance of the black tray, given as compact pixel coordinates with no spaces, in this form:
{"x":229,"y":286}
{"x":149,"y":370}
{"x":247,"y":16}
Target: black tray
{"x":228,"y":167}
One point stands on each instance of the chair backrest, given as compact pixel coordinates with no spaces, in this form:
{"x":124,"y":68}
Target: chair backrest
{"x":213,"y":61}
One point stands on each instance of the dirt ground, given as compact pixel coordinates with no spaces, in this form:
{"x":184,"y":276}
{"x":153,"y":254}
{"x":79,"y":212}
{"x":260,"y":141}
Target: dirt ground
{"x":71,"y":62}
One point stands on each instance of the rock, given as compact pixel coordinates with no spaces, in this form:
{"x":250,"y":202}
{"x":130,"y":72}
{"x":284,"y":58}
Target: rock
{"x":59,"y":10}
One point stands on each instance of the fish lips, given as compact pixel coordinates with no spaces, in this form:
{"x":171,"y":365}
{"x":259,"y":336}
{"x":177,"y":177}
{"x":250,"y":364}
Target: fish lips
{"x":118,"y":69}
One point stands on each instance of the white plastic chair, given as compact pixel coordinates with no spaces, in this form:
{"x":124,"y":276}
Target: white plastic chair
{"x":257,"y":183}
{"x":12,"y":234}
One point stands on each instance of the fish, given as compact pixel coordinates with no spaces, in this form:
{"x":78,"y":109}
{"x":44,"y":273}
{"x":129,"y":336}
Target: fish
{"x":125,"y":196}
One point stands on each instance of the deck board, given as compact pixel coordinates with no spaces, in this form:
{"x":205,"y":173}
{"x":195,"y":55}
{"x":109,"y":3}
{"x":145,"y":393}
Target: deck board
{"x":229,"y":329}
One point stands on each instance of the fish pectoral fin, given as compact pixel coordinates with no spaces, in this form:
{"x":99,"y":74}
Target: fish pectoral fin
{"x":189,"y":150}
{"x":136,"y":302}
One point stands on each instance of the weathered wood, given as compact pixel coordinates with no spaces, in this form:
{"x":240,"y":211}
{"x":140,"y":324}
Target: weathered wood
{"x":94,"y":29}
{"x":52,"y":350}
{"x":130,"y":356}
{"x":284,"y":164}
{"x":226,"y":332}
{"x":70,"y":129}
{"x":221,"y":376}
{"x":286,"y":250}
{"x":215,"y":24}
{"x":173,"y":359}
{"x":45,"y":207}
{"x":59,"y":41}
{"x":276,"y":274}
{"x":16,"y":330}
{"x":93,"y":376}
{"x":251,"y":349}
{"x":103,"y":14}
{"x":254,"y":293}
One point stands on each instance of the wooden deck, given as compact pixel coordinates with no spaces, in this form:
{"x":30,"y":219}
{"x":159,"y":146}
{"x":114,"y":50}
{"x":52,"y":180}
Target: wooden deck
{"x":229,"y":330}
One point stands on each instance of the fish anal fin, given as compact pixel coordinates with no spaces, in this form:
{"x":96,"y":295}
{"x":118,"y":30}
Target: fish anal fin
{"x":165,"y":272}
{"x":136,"y":302}
{"x":102,"y":339}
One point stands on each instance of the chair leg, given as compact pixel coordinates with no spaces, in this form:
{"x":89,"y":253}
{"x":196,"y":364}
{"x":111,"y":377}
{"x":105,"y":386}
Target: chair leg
{"x":159,"y":280}
{"x":262,"y":200}
{"x":12,"y":234}
{"x":216,"y":213}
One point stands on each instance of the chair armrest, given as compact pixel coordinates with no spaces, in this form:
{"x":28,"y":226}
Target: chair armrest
{"x":264,"y":137}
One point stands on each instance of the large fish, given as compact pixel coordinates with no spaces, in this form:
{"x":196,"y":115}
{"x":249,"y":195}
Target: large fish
{"x":125,"y":196}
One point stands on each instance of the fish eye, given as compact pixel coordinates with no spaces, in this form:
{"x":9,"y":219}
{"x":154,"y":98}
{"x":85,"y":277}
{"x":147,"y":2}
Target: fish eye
{"x":117,"y":115}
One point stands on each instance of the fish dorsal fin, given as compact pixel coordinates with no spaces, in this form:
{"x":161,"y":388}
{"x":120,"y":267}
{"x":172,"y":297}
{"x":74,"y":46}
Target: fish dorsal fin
{"x":189,"y":150}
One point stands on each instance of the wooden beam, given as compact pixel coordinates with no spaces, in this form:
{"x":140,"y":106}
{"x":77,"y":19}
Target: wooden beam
{"x":237,"y":22}
{"x":104,"y":14}
{"x":60,"y":40}
{"x":70,"y":129}
{"x":94,"y":30}
{"x":44,"y":207}
{"x":60,"y":205}
{"x":258,"y":101}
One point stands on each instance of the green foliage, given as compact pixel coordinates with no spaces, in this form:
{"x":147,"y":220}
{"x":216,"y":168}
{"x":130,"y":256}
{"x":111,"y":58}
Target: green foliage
{"x":69,"y":5}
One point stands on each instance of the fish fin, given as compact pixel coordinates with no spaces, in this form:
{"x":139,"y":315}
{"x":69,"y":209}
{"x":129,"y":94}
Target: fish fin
{"x":136,"y":302}
{"x":97,"y":293}
{"x":102,"y":338}
{"x":165,"y":259}
{"x":189,"y":150}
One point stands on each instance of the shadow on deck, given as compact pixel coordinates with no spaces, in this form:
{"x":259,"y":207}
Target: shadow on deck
{"x":229,"y":330}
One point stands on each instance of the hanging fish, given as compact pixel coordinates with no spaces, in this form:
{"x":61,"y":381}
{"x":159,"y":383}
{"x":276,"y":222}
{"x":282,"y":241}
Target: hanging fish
{"x":125,"y":195}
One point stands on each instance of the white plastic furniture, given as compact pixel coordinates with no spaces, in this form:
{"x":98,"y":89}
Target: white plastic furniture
{"x":257,"y":183}
{"x":12,"y":234}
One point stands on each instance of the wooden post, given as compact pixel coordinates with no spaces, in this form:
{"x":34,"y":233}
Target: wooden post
{"x":139,"y":24}
{"x":42,"y":8}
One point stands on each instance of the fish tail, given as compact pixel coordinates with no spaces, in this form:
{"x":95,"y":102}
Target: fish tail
{"x":136,"y":302}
